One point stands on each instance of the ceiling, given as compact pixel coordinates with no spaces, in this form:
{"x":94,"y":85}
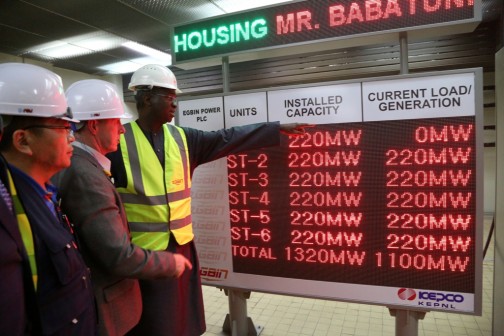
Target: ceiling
{"x":89,"y":35}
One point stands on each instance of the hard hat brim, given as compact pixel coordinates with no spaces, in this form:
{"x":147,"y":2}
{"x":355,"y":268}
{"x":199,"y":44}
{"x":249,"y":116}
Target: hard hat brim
{"x":69,"y":119}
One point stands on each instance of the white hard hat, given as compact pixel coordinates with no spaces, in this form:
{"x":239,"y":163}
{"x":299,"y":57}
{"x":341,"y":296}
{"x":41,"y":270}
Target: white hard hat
{"x":32,"y":91}
{"x":154,"y":75}
{"x":93,"y":99}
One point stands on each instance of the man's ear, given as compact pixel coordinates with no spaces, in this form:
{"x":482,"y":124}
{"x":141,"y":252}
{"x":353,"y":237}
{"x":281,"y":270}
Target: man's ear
{"x":92,"y":126}
{"x":147,"y":99}
{"x":21,"y":141}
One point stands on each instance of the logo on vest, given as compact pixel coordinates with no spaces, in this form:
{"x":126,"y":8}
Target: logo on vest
{"x":177,"y":181}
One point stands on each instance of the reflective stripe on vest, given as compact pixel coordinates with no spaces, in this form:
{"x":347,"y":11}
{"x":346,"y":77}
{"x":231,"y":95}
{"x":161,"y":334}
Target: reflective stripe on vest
{"x":156,"y":201}
{"x":24,"y":229}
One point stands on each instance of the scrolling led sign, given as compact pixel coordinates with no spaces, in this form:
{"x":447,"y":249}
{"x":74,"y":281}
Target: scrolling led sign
{"x":310,"y":21}
{"x":352,"y":198}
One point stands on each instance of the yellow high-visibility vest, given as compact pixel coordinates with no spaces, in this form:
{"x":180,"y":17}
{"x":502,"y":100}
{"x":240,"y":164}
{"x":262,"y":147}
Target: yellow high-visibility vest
{"x":24,"y":229}
{"x":157,"y":201}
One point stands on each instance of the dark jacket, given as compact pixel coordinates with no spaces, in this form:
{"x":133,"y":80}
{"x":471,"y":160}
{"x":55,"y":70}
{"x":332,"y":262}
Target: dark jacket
{"x":93,"y":205}
{"x":17,"y":294}
{"x":64,"y":296}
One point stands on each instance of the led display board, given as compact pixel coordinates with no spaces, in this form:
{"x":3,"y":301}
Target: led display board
{"x":380,"y":202}
{"x":312,"y":21}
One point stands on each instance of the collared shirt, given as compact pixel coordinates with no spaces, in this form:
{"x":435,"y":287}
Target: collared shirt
{"x":48,"y":194}
{"x":102,"y":159}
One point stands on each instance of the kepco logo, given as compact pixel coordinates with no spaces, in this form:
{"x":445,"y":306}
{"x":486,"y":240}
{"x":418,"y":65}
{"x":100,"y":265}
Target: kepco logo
{"x":439,"y":300}
{"x":406,"y":294}
{"x":431,"y":299}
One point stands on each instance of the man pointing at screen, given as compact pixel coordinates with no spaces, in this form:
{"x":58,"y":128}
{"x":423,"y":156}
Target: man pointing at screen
{"x":152,"y":170}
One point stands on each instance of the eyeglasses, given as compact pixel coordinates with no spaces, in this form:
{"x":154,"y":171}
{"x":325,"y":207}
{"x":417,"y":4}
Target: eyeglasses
{"x":171,"y":98}
{"x":67,"y":128}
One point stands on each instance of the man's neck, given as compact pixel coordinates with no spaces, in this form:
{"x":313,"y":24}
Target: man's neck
{"x":89,"y":140}
{"x":102,"y":160}
{"x":149,"y":125}
{"x":39,"y":174}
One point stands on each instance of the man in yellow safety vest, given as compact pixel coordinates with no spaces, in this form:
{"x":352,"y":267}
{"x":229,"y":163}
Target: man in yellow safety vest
{"x":152,"y":171}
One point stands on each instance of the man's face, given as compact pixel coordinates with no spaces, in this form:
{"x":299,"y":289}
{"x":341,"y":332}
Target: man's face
{"x":163,"y":104}
{"x":50,"y":143}
{"x":108,"y":135}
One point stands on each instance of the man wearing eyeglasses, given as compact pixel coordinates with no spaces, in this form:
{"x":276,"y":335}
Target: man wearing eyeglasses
{"x":36,"y":144}
{"x":93,"y":205}
{"x":152,"y":171}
